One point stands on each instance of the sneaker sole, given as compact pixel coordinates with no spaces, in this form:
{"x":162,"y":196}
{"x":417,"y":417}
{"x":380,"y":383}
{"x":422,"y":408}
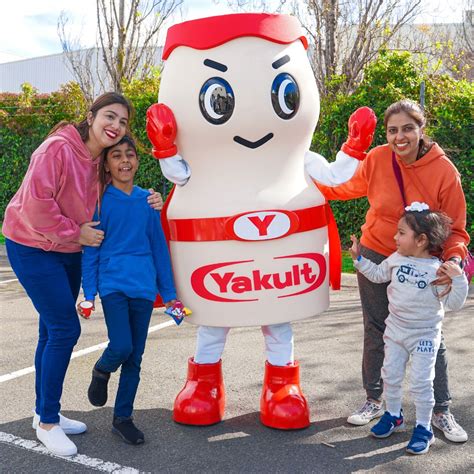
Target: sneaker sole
{"x":432,"y":440}
{"x":451,"y":437}
{"x":386,"y":435}
{"x":360,"y":422}
{"x":117,"y":432}
{"x":66,"y":430}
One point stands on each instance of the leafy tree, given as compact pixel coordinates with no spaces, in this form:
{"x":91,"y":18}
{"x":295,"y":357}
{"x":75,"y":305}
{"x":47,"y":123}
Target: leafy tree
{"x":345,"y":35}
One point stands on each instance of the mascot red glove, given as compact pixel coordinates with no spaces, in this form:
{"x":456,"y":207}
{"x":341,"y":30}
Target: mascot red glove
{"x":361,"y":133}
{"x":161,"y":129}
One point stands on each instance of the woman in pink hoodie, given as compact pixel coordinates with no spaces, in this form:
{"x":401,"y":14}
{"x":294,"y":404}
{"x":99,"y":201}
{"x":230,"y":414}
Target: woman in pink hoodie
{"x":46,"y":223}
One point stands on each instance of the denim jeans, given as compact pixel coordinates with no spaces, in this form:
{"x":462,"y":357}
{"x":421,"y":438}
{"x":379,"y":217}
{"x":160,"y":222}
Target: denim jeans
{"x":52,"y":281}
{"x":373,"y":297}
{"x":127,"y":321}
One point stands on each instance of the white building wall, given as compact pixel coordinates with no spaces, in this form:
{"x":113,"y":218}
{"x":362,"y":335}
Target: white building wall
{"x":46,"y":73}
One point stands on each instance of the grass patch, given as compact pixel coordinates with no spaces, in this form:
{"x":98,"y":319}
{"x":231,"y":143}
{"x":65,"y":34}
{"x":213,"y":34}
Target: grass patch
{"x":2,"y":239}
{"x":347,"y":265}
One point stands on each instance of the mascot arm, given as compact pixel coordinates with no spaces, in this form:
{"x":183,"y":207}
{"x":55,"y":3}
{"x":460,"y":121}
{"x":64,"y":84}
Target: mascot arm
{"x":361,"y":127}
{"x":330,"y":174}
{"x":161,"y":128}
{"x":175,"y":169}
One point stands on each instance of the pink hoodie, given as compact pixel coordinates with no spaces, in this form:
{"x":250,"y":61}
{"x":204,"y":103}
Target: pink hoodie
{"x":57,"y":195}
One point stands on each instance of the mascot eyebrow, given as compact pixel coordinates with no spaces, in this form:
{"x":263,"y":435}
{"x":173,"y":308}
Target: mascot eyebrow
{"x":279,"y":62}
{"x":215,"y":65}
{"x":223,"y":68}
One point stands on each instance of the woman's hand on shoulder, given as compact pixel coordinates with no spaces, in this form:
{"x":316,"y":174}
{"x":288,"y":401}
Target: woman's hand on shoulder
{"x":450,"y":268}
{"x":90,"y":236}
{"x":155,"y":200}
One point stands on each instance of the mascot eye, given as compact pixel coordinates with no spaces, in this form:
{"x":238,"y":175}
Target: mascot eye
{"x":216,"y":100}
{"x":285,"y":96}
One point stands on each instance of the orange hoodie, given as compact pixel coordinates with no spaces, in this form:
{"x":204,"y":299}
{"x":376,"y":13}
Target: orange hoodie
{"x":432,"y":179}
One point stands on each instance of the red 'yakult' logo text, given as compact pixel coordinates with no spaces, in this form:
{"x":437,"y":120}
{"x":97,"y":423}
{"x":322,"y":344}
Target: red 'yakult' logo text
{"x":217,"y":282}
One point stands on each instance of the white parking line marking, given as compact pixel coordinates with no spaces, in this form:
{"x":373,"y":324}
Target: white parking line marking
{"x":92,"y":463}
{"x":377,"y":452}
{"x":9,"y":281}
{"x":226,"y":436}
{"x":88,"y":350}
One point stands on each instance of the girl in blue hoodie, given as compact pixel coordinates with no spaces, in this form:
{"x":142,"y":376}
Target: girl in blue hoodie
{"x":130,"y":267}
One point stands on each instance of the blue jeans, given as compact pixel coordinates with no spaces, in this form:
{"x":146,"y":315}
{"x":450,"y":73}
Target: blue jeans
{"x":127,"y":321}
{"x":52,"y":281}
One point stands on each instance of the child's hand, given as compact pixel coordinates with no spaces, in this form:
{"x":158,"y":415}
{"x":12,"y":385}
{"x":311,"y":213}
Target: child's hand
{"x":177,"y":311}
{"x":355,"y":249}
{"x":170,"y":303}
{"x":85,"y":308}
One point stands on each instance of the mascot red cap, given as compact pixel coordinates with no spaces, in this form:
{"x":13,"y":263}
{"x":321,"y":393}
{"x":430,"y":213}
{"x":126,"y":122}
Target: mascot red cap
{"x":206,"y":33}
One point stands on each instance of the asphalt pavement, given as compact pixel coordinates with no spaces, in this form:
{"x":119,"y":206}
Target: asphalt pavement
{"x":329,"y":349}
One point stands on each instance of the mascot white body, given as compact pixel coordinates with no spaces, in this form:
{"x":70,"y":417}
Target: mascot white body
{"x":248,"y":228}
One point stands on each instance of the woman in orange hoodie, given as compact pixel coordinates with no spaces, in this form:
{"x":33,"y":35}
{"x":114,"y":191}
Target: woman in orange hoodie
{"x":408,"y":168}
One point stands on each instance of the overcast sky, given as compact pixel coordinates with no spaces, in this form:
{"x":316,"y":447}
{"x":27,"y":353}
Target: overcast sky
{"x":28,"y":28}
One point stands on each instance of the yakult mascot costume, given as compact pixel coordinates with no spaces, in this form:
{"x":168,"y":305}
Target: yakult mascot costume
{"x":248,"y":229}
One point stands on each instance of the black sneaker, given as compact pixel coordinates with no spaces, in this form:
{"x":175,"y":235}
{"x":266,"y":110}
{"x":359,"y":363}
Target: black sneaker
{"x":97,"y":392}
{"x":125,"y":428}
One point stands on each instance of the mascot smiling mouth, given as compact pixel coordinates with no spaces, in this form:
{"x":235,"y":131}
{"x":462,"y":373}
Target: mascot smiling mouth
{"x":249,"y":144}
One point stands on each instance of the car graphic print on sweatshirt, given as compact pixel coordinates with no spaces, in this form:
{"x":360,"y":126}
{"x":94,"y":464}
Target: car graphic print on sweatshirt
{"x":413,"y":299}
{"x":410,"y":275}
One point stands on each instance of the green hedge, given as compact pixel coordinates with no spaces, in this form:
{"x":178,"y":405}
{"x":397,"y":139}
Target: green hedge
{"x":26,"y":118}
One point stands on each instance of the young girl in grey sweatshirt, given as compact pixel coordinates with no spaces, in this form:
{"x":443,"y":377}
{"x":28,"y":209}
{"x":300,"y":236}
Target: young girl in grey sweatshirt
{"x":416,"y":310}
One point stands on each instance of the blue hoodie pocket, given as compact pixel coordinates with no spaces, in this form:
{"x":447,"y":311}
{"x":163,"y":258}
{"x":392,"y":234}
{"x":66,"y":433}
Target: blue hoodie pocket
{"x":134,"y":275}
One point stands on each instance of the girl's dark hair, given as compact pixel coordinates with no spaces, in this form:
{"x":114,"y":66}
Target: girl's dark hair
{"x":109,"y":98}
{"x":435,"y":225}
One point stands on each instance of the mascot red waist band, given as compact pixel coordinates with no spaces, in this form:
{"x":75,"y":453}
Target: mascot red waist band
{"x":249,"y":226}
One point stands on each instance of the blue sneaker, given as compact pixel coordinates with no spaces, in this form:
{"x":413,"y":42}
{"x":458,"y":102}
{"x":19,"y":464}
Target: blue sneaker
{"x":387,"y":425}
{"x":421,"y":440}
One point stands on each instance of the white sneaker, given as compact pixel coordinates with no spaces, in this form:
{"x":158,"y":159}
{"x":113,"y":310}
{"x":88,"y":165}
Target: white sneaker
{"x":448,"y":425}
{"x":366,"y":413}
{"x":56,"y":441}
{"x":70,"y":427}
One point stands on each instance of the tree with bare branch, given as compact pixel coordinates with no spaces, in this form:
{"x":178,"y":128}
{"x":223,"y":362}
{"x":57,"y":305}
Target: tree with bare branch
{"x":81,"y":62}
{"x":345,"y":35}
{"x":128,"y":33}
